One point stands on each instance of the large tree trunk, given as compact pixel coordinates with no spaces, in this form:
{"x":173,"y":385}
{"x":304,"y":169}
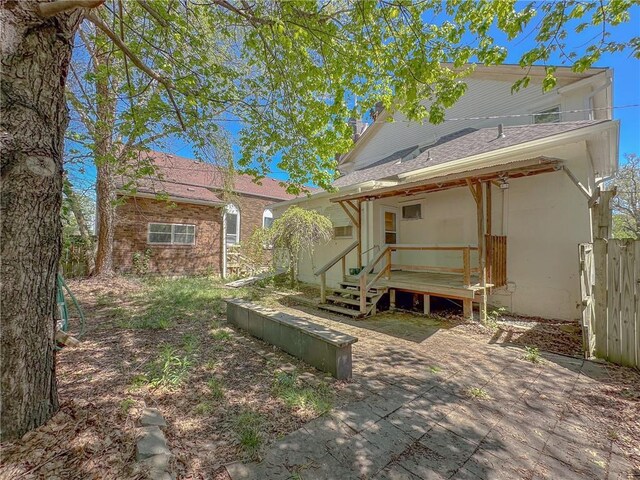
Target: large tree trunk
{"x":105,"y":198}
{"x":104,"y":158}
{"x":35,"y":57}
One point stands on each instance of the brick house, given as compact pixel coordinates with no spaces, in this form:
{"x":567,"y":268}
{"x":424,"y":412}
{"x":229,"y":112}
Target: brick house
{"x":184,"y":230}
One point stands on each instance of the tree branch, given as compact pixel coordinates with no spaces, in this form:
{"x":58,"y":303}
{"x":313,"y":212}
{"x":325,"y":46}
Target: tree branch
{"x":49,"y":9}
{"x":151,"y":11}
{"x":97,"y":21}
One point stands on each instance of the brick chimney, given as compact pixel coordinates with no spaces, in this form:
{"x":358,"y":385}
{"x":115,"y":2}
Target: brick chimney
{"x":376,"y":110}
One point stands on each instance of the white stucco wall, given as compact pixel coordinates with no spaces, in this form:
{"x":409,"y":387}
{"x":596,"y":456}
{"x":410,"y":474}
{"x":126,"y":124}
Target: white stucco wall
{"x":544,"y":217}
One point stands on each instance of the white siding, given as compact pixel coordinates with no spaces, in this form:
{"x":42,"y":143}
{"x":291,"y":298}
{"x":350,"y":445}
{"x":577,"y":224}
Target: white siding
{"x":483,"y":98}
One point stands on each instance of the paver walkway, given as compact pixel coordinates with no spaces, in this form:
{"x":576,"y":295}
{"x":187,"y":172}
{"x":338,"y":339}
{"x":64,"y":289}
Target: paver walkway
{"x":418,"y":417}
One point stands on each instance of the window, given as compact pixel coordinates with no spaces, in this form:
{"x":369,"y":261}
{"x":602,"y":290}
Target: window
{"x":232,"y":224}
{"x":412,"y":212}
{"x":551,"y":115}
{"x":171,"y":234}
{"x":345,"y":231}
{"x":267,"y":218}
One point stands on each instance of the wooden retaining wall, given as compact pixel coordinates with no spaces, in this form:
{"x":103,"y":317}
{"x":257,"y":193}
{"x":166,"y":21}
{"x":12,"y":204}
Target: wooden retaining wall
{"x":610,"y":286}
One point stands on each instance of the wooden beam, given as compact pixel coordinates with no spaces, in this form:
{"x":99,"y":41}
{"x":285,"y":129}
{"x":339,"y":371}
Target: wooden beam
{"x":455,"y":180}
{"x":466,"y":266}
{"x":467,"y":309}
{"x":601,"y":215}
{"x":472,"y":187}
{"x":350,"y":215}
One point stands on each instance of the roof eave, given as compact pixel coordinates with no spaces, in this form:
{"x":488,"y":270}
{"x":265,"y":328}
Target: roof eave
{"x":172,"y":198}
{"x":477,"y":161}
{"x":320,"y":195}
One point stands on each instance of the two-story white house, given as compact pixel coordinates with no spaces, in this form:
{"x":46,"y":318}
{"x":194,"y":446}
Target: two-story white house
{"x":487,"y":207}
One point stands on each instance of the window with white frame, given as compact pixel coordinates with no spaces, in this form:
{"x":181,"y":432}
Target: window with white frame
{"x":344,"y":231}
{"x":412,"y":212}
{"x":171,"y":234}
{"x":267,"y":218}
{"x":232,"y":224}
{"x":550,"y":115}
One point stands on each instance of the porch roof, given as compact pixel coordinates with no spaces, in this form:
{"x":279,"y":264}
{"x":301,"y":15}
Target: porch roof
{"x":516,"y":169}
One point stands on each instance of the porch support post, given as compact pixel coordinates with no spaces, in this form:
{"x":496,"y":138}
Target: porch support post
{"x":467,"y":309}
{"x":359,"y":230}
{"x":481,"y":186}
{"x":489,"y":241}
{"x":392,"y":299}
{"x":478,"y":192}
{"x":427,"y":304}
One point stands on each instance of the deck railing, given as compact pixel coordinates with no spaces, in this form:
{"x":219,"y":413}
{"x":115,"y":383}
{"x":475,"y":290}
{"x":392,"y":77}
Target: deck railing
{"x":368,"y":276}
{"x":322,"y":271}
{"x":384,"y":259}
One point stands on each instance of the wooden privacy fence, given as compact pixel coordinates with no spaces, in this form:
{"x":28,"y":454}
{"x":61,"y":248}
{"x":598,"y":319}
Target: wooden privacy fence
{"x":610,"y":287}
{"x":75,"y":261}
{"x":496,"y":248}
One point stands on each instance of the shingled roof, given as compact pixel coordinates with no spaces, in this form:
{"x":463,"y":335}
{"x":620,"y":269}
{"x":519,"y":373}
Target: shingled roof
{"x":188,"y":179}
{"x":458,"y":145}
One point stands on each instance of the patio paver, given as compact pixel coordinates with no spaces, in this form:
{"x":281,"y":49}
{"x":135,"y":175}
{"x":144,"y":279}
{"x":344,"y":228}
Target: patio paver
{"x":416,"y":419}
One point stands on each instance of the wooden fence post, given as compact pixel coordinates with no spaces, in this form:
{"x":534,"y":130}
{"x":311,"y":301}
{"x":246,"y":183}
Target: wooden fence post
{"x":600,"y":296}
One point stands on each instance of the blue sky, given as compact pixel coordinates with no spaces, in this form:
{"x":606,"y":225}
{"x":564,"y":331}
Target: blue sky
{"x":626,"y":90}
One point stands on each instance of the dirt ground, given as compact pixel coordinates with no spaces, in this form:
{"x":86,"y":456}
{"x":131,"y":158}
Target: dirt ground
{"x":103,"y":389}
{"x":164,"y":344}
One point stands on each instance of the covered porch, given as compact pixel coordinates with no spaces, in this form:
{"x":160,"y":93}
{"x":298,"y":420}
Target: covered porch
{"x":466,"y":270}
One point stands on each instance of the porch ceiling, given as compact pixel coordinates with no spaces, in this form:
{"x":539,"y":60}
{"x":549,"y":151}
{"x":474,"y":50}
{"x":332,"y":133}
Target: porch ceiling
{"x":445,"y":182}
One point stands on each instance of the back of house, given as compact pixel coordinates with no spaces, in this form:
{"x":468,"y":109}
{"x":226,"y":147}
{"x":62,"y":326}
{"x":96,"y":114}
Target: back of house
{"x":499,"y":193}
{"x":189,"y":217}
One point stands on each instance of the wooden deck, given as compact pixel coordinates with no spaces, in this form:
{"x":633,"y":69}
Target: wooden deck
{"x":448,"y":285}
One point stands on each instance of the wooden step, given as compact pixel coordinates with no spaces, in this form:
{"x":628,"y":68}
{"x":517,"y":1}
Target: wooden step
{"x":357,"y":285}
{"x":348,"y":301}
{"x":350,"y":291}
{"x":341,"y":310}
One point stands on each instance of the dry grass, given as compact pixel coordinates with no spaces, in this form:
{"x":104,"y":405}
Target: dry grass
{"x":163,"y":343}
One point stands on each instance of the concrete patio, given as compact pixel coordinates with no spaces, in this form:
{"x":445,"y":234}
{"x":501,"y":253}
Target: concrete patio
{"x":435,"y":404}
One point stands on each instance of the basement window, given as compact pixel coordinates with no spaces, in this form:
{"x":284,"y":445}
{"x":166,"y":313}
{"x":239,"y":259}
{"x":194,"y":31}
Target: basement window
{"x":412,"y":212}
{"x":171,"y":234}
{"x":345,"y":231}
{"x":551,"y":115}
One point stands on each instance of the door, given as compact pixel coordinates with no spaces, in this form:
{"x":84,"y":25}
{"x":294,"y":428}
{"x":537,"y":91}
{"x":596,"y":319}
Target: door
{"x":390,"y":228}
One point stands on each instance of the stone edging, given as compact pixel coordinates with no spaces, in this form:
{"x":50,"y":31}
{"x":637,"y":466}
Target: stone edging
{"x":152,"y":451}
